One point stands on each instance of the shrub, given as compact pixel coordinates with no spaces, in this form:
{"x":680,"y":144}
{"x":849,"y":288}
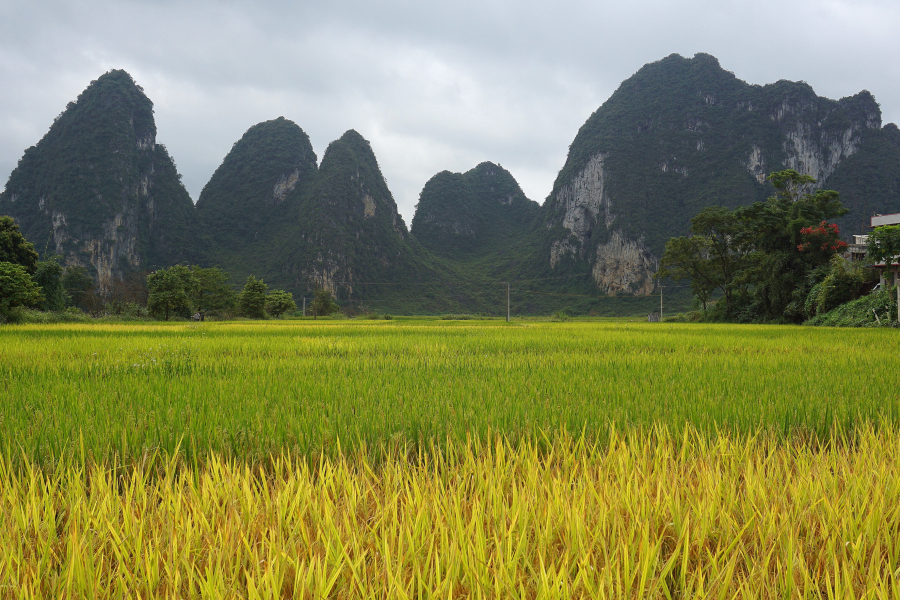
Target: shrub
{"x":859,"y":312}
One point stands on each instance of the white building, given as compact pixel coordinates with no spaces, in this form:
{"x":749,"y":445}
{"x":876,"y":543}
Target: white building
{"x":887,"y":272}
{"x":879,"y":220}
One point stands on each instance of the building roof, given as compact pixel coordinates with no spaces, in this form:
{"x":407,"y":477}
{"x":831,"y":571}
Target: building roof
{"x":890,"y":219}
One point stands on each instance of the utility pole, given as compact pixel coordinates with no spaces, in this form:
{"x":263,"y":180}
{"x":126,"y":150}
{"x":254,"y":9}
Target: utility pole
{"x":660,"y":302}
{"x":507,"y":299}
{"x":304,"y":306}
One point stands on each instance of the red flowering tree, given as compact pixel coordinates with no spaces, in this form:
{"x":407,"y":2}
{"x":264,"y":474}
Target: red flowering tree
{"x":821,"y":242}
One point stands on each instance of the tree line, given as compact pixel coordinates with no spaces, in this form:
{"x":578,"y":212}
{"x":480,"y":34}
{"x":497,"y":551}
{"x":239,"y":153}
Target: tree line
{"x":193,"y":291}
{"x":774,"y":261}
{"x":180,"y":291}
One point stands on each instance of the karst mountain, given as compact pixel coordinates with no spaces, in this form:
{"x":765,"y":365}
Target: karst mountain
{"x":100,"y":191}
{"x":679,"y":135}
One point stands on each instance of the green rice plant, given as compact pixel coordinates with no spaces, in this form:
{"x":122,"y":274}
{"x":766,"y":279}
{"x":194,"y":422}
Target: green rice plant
{"x":247,"y":390}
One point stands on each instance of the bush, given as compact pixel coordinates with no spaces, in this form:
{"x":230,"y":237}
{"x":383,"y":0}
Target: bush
{"x":842,"y":284}
{"x":127,"y":309}
{"x":30,"y":315}
{"x":694,"y":316}
{"x":376,"y":316}
{"x":858,"y":313}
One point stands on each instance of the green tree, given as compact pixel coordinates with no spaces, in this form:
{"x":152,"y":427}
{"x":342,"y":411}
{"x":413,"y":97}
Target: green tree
{"x":49,"y":276}
{"x":14,"y":248}
{"x":688,"y":258}
{"x":711,"y":258}
{"x":212,"y":292}
{"x":323,"y":303}
{"x":279,"y":302}
{"x":884,"y":244}
{"x":252,"y":301}
{"x":171,"y":291}
{"x":765,"y":257}
{"x":78,"y":285}
{"x":17,"y":288}
{"x":781,"y":268}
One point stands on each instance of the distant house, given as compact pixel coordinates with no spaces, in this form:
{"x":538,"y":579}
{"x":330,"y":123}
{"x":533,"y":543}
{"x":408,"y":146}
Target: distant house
{"x":857,"y":250}
{"x":887,"y":273}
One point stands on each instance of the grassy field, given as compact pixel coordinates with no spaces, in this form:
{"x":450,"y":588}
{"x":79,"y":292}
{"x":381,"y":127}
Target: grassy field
{"x":417,"y":458}
{"x":246,"y":389}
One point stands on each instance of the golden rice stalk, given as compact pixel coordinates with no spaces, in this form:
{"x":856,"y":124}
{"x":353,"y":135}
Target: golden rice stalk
{"x":644,"y":517}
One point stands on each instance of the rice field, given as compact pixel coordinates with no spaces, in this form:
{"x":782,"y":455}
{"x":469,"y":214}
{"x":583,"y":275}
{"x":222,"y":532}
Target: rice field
{"x":435,"y":459}
{"x":246,"y":390}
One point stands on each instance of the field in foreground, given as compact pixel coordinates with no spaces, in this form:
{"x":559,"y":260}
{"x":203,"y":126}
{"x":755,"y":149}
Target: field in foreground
{"x":432,"y":459}
{"x":660,"y":518}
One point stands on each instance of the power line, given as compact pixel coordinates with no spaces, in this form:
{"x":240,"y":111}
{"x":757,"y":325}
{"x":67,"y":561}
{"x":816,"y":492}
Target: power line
{"x":584,"y":295}
{"x":469,"y":283}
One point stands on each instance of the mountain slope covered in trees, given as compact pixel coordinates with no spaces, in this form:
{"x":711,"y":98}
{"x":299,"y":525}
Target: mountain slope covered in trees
{"x":100,"y":191}
{"x":679,"y":135}
{"x":683,"y":134}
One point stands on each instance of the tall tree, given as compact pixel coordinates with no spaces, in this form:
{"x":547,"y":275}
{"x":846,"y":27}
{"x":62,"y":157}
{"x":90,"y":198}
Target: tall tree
{"x":17,"y":288}
{"x":323,"y":303}
{"x":688,"y":258}
{"x":711,"y":258}
{"x":212,"y":292}
{"x":79,"y":286}
{"x":14,"y":248}
{"x":49,"y":275}
{"x":252,"y":301}
{"x":171,"y":291}
{"x":279,"y":302}
{"x":779,"y":267}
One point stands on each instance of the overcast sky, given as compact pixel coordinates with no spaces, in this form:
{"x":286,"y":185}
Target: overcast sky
{"x":432,"y":86}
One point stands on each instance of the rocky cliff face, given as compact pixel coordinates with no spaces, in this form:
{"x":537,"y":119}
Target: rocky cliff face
{"x":271,"y":212}
{"x":682,"y":134}
{"x":619,"y":264}
{"x":346,"y":227}
{"x":98,"y":189}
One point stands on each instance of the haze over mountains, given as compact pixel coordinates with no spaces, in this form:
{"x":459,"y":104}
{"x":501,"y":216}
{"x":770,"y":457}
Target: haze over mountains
{"x":679,"y":135}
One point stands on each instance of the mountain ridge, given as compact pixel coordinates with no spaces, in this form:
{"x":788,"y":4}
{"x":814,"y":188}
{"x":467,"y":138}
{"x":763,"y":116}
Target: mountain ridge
{"x":682,"y":134}
{"x":678,"y":135}
{"x":99,"y":190}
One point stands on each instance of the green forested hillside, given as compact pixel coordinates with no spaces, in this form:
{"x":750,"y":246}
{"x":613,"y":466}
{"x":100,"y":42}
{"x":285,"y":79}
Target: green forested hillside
{"x":463,"y":215}
{"x":679,"y":135}
{"x":245,"y":199}
{"x":100,"y":191}
{"x":337,"y":228}
{"x":683,"y":134}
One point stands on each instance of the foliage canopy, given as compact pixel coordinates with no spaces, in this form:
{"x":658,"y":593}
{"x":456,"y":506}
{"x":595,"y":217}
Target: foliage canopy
{"x":14,"y":248}
{"x":17,"y":288}
{"x":764,"y":258}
